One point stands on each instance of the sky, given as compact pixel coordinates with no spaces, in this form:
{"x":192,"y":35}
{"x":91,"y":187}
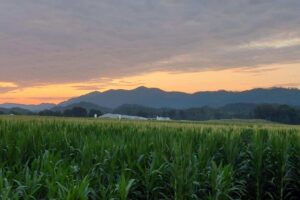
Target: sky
{"x":54,"y":50}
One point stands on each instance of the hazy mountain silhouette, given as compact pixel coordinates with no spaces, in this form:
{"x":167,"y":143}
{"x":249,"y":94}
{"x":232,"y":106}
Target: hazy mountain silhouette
{"x":157,"y":98}
{"x":33,"y":108}
{"x":15,"y":110}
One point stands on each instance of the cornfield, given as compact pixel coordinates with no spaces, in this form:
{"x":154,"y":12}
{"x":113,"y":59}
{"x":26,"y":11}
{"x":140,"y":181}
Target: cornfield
{"x":53,"y":158}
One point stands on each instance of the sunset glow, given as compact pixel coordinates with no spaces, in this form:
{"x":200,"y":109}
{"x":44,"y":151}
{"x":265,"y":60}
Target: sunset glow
{"x":236,"y":79}
{"x":51,"y":51}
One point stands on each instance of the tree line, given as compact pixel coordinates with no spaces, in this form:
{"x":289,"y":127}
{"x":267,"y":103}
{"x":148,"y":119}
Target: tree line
{"x":73,"y":112}
{"x":276,"y":113}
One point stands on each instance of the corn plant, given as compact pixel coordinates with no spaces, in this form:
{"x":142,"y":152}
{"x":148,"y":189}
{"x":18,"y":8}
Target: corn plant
{"x":59,"y":158}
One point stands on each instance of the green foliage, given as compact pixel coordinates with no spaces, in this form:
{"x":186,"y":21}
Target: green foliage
{"x":75,"y":112}
{"x":60,"y":158}
{"x":240,"y":110}
{"x":278,"y":113}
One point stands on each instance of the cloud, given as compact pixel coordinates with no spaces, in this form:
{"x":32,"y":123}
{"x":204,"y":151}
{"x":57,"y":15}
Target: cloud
{"x":5,"y":89}
{"x":7,"y":86}
{"x":256,"y":71}
{"x":103,"y":83}
{"x":64,"y":41}
{"x":272,"y":44}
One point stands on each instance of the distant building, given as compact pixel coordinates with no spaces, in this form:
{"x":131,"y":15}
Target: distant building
{"x":120,"y":117}
{"x":163,"y":118}
{"x":130,"y":117}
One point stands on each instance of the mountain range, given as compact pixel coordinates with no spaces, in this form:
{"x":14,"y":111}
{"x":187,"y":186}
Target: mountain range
{"x":157,"y":98}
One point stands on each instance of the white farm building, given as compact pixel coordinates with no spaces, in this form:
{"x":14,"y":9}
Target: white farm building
{"x":163,"y":118}
{"x":119,"y":117}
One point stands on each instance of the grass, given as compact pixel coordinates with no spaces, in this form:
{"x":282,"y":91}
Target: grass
{"x":59,"y":158}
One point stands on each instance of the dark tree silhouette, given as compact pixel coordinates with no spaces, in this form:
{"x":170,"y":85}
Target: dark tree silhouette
{"x":75,"y":112}
{"x":278,"y":113}
{"x":94,"y":112}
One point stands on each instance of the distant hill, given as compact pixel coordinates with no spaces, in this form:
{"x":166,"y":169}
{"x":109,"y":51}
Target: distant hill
{"x":86,"y":105}
{"x":33,"y":108}
{"x":157,"y":98}
{"x":17,"y":111}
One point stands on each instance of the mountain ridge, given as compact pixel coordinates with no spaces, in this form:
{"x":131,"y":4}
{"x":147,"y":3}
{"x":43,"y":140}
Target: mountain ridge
{"x":157,"y":98}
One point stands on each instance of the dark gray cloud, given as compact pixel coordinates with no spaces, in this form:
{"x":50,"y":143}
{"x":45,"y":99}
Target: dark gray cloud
{"x":44,"y":41}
